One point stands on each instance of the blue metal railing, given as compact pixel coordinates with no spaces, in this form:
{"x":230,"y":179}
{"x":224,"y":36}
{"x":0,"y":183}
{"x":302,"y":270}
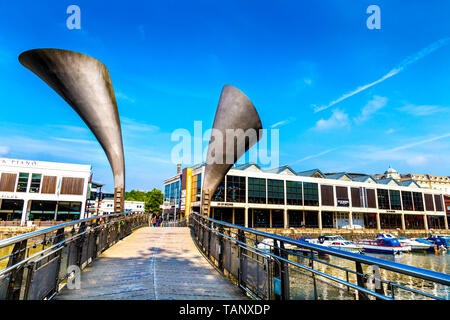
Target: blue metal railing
{"x":246,"y":239}
{"x":38,"y":263}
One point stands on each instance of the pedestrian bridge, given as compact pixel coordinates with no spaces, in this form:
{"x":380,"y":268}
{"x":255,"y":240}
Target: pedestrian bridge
{"x":153,"y":263}
{"x":119,"y":256}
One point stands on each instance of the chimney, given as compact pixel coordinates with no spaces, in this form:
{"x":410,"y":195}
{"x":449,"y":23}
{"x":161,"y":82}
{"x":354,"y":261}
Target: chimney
{"x":179,"y":168}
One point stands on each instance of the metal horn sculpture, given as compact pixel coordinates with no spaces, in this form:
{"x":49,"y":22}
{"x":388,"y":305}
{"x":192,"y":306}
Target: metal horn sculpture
{"x":235,"y":113}
{"x":85,"y":84}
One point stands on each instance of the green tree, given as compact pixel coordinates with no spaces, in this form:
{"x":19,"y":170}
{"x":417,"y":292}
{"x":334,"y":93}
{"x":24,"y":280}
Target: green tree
{"x":154,"y":200}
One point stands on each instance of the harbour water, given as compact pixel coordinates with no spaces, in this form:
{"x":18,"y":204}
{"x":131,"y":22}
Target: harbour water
{"x":302,"y":285}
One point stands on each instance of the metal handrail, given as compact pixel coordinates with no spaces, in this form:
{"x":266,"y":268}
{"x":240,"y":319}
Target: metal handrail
{"x":417,"y":272}
{"x":29,"y":235}
{"x":86,"y":240}
{"x":319,"y":273}
{"x":53,"y":248}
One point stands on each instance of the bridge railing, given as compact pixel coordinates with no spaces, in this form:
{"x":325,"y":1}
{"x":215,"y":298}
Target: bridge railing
{"x":36,"y":265}
{"x":285,"y":268}
{"x":175,"y":223}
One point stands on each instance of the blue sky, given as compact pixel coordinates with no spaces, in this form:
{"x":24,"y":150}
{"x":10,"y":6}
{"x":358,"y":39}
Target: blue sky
{"x":344,"y":98}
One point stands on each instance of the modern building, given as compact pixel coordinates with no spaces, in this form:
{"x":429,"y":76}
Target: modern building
{"x":95,"y":195}
{"x":41,"y":190}
{"x":428,"y":181}
{"x":106,"y":206}
{"x":283,"y":198}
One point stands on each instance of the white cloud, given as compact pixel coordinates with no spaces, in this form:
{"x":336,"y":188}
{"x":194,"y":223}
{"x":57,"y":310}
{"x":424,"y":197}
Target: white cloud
{"x":283,"y":122}
{"x":307,"y":81}
{"x":76,"y":141}
{"x":417,"y":160}
{"x":337,"y":120}
{"x":371,"y":107}
{"x":123,"y":97}
{"x":402,"y":66}
{"x":4,"y":150}
{"x":423,"y":110}
{"x":129,"y":124}
{"x":390,"y":131}
{"x":315,"y":155}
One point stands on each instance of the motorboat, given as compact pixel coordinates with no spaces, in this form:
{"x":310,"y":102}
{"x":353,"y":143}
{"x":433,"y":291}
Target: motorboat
{"x":438,"y":239}
{"x":268,"y":244}
{"x":405,"y":246}
{"x":336,"y":242}
{"x":433,"y":247}
{"x":440,"y":243}
{"x":416,"y":245}
{"x":381,"y":245}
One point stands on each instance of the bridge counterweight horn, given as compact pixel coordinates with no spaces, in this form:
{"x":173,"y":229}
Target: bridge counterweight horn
{"x":85,"y":84}
{"x":235,"y":111}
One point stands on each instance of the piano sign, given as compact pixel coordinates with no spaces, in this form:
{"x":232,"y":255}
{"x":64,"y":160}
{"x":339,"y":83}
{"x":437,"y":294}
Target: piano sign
{"x":343,"y":203}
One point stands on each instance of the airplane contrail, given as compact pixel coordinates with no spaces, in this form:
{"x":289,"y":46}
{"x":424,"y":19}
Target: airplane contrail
{"x":406,"y":62}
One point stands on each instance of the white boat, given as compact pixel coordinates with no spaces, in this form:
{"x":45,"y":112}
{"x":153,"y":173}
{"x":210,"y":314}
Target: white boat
{"x":267,"y":244}
{"x":415,"y":245}
{"x":405,"y":246}
{"x":336,"y":242}
{"x":381,"y":245}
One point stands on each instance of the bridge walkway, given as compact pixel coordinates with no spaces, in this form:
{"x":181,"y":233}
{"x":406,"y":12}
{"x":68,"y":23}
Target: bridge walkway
{"x":153,"y":263}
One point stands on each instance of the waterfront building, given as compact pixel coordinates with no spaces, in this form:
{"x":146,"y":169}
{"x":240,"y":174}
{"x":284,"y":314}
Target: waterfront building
{"x":42,"y":191}
{"x":95,"y":195}
{"x":106,"y":206}
{"x":428,"y":181}
{"x":282,"y":198}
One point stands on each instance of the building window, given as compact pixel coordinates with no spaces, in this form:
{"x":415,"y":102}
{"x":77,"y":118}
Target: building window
{"x":196,"y":188}
{"x":327,"y":195}
{"x":370,"y":220}
{"x":219,"y":195}
{"x":294,"y":193}
{"x":295,"y":218}
{"x":383,"y":199}
{"x":407,"y":201}
{"x":418,"y":201}
{"x":275,"y":191}
{"x":390,"y":221}
{"x":261,"y":218}
{"x":414,"y":222}
{"x":256,"y":190}
{"x":22,"y":184}
{"x":311,"y":194}
{"x":166,"y":192}
{"x":235,"y":189}
{"x":35,"y":182}
{"x":438,"y":202}
{"x":394,"y":197}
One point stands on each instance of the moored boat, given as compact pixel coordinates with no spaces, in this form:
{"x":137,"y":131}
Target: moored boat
{"x":416,"y":245}
{"x":381,"y":245}
{"x":336,"y":242}
{"x":405,"y":247}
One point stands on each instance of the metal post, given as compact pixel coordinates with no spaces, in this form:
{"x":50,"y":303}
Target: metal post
{"x":16,"y":276}
{"x":360,"y":281}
